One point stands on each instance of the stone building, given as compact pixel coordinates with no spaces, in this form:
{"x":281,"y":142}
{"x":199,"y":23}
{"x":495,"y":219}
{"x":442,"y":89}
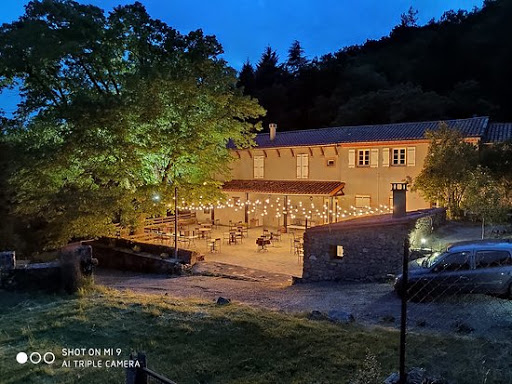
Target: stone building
{"x":368,"y":248}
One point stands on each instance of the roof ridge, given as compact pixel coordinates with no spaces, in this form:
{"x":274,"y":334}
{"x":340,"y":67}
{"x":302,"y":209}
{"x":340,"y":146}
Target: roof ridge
{"x":375,"y":125}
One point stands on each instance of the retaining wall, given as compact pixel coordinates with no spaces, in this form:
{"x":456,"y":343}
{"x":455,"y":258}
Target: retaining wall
{"x":129,"y":255}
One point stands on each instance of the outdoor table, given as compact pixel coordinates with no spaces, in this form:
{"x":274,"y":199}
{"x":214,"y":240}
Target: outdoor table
{"x":205,"y":231}
{"x":213,"y":245}
{"x":262,"y":242}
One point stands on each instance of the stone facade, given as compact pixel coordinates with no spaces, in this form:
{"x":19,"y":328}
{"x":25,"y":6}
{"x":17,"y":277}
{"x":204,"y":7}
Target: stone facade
{"x":372,"y":247}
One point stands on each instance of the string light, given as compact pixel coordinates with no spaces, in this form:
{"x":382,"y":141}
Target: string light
{"x":275,"y":208}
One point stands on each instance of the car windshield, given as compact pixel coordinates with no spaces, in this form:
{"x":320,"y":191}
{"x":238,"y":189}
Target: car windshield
{"x":432,"y":259}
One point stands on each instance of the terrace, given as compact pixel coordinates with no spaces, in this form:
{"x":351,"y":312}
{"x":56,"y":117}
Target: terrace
{"x":266,"y":249}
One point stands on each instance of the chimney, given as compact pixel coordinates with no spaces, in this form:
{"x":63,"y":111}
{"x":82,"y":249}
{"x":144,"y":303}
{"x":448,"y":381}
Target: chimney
{"x":399,"y":199}
{"x":272,"y":127}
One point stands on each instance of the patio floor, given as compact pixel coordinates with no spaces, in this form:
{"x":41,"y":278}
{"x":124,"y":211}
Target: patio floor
{"x":277,"y":258}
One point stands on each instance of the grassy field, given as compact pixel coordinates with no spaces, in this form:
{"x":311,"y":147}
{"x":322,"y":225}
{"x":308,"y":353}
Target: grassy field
{"x":200,"y":342}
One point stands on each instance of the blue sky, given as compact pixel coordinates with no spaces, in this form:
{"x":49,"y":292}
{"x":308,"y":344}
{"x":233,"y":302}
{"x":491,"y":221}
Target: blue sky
{"x":246,"y":27}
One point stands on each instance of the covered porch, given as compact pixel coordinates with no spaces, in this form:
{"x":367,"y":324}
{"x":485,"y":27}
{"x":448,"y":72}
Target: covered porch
{"x":279,"y":204}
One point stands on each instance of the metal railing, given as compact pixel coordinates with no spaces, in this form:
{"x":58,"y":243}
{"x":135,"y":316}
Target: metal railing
{"x":141,"y":374}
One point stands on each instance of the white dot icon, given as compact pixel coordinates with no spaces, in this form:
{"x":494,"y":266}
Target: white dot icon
{"x":21,"y":357}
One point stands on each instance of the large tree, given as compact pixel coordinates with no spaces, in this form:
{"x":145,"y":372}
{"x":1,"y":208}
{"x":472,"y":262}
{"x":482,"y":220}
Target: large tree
{"x":485,"y":198}
{"x":497,"y":159}
{"x":116,"y":110}
{"x":447,"y":168}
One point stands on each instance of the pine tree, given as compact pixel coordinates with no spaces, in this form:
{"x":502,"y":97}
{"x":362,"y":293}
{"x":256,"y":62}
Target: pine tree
{"x":268,"y":71}
{"x":296,"y":59}
{"x":246,"y":78}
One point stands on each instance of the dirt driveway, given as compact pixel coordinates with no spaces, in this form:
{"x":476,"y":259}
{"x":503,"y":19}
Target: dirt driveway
{"x":370,"y":303}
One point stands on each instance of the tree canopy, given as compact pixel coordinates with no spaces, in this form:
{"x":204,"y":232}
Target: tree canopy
{"x":447,"y":169}
{"x":454,"y":67}
{"x":116,"y":110}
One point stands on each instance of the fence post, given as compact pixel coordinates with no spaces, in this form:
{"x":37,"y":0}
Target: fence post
{"x":403,"y":314}
{"x":137,"y":375}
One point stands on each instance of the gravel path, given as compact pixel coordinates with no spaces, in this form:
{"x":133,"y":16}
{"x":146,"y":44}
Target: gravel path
{"x":370,"y":303}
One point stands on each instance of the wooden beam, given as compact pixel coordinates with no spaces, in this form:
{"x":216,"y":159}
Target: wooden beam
{"x":322,"y":150}
{"x":264,"y":152}
{"x":250,"y":154}
{"x":336,"y":149}
{"x":238,"y":154}
{"x":310,"y":151}
{"x":291,"y":150}
{"x":278,"y":153}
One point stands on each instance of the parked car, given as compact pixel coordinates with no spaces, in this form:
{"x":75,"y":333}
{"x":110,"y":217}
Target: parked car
{"x":481,"y":266}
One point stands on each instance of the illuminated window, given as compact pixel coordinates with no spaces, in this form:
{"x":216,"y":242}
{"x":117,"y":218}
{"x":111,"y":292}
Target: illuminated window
{"x":337,"y":252}
{"x":363,"y":157}
{"x":398,"y":156}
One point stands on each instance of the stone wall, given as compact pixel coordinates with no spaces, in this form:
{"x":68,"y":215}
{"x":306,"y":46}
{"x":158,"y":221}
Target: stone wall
{"x":63,"y":274}
{"x":372,"y":246}
{"x":141,"y":257}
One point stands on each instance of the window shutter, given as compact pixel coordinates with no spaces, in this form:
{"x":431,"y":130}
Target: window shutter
{"x":258,"y":167}
{"x":411,"y":156}
{"x":305,"y":166}
{"x":351,"y":158}
{"x":374,"y":158}
{"x":385,"y":157}
{"x":299,"y":166}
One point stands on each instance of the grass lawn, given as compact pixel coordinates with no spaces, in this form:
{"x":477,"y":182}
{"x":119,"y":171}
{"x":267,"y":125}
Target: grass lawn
{"x":200,"y":342}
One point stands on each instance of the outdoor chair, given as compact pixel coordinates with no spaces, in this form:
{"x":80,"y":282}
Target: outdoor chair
{"x":275,"y":236}
{"x":298,"y":247}
{"x":215,"y":245}
{"x":300,"y":255}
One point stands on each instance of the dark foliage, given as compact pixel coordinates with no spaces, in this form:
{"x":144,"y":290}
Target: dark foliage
{"x":455,"y":67}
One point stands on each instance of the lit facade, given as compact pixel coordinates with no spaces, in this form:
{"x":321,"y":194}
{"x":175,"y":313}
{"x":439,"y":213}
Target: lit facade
{"x":324,"y":175}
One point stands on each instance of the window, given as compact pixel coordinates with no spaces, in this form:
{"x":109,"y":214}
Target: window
{"x":454,"y":262}
{"x":492,"y":259}
{"x":398,"y":156}
{"x":363,"y":157}
{"x":302,"y":166}
{"x":259,"y":165}
{"x":336,"y":252}
{"x":362,"y":201}
{"x":331,"y":162}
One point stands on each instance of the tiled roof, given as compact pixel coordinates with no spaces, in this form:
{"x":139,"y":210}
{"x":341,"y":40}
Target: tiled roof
{"x":497,"y":132}
{"x":472,"y":127}
{"x":286,"y":187}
